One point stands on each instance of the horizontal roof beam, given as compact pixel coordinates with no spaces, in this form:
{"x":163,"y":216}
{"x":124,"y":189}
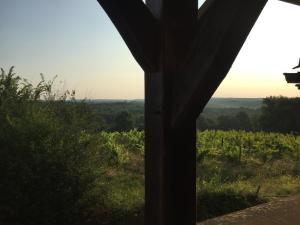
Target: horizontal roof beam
{"x":296,"y":2}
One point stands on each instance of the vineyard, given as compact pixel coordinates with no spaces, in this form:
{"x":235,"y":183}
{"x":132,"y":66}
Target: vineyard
{"x":235,"y":170}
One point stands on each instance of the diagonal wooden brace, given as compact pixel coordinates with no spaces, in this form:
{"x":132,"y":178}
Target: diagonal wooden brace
{"x":138,"y":28}
{"x":223,"y":27}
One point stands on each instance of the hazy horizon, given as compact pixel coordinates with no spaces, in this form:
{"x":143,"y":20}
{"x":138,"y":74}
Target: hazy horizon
{"x":142,"y":99}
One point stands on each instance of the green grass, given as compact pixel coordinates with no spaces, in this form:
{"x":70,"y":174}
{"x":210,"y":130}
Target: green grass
{"x":235,"y":170}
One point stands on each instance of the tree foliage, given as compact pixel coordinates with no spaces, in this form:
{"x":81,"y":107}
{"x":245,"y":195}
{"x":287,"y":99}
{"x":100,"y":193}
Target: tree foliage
{"x":280,"y":114}
{"x":46,"y":166}
{"x":124,"y":121}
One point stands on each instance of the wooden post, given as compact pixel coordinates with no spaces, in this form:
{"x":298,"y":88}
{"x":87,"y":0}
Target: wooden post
{"x":185,"y":53}
{"x":170,"y":189}
{"x":170,"y":157}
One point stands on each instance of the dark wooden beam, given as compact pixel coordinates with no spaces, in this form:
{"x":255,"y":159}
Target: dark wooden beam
{"x":295,"y":2}
{"x":185,"y":55}
{"x":138,"y":28}
{"x":177,"y":22}
{"x":223,"y":27}
{"x":170,"y":155}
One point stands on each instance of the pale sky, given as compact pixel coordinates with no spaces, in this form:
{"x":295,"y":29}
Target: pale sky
{"x":75,"y":40}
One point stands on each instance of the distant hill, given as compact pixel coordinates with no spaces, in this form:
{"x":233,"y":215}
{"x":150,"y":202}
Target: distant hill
{"x":252,"y":103}
{"x":100,"y":101}
{"x":235,"y":103}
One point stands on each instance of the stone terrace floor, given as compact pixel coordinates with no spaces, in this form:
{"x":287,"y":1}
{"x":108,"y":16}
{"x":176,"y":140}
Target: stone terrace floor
{"x":283,"y":211}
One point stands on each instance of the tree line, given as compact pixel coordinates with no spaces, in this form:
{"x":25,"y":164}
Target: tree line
{"x":277,"y":114}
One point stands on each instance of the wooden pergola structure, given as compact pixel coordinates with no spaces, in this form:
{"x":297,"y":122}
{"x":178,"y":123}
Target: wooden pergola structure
{"x":185,"y":53}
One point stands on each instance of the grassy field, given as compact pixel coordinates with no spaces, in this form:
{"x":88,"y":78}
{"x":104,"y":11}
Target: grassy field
{"x":235,"y":170}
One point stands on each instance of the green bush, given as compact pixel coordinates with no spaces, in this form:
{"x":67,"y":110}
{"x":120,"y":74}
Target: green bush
{"x":46,"y":166}
{"x":212,"y":204}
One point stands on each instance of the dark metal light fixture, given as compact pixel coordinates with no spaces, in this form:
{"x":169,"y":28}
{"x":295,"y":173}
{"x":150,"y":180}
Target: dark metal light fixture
{"x":297,"y":66}
{"x":293,"y":78}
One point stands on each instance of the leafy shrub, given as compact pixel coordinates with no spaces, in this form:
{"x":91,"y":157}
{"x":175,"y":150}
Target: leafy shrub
{"x":211,"y":204}
{"x":132,"y":141}
{"x":46,"y":168}
{"x":110,"y":151}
